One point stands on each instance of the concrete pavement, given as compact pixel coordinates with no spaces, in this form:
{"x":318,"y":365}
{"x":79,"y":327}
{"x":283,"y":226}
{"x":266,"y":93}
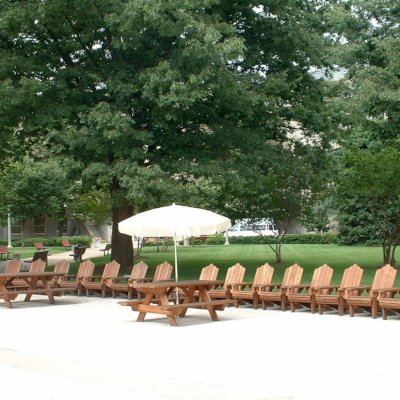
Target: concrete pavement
{"x":94,"y":347}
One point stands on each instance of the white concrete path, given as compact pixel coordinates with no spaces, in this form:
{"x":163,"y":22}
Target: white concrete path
{"x":94,"y":348}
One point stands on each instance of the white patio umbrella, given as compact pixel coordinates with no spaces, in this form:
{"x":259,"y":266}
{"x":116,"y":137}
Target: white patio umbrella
{"x":174,"y":221}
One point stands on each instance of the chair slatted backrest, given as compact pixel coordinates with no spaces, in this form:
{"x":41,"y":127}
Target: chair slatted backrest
{"x":62,"y":267}
{"x":37,"y":266}
{"x":235,"y":274}
{"x":263,"y":275}
{"x":139,"y":270}
{"x":13,"y":267}
{"x":4,"y":249}
{"x":352,"y":277}
{"x":384,"y":278}
{"x":39,"y":245}
{"x":163,"y":272}
{"x":322,"y":276}
{"x":293,"y":275}
{"x":111,"y":269}
{"x":209,"y":273}
{"x":86,"y":268}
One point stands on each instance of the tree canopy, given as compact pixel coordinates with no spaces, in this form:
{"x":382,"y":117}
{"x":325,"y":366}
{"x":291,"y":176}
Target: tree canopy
{"x":151,"y":99}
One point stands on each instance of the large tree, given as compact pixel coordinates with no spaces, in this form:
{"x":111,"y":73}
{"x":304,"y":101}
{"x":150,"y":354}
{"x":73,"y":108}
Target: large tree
{"x":367,"y":102}
{"x":150,"y":94}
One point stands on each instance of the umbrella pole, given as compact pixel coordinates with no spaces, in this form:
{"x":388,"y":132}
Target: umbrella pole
{"x":176,"y":271}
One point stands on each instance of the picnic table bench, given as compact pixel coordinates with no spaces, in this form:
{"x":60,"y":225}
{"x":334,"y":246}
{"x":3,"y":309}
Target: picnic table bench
{"x":159,"y":293}
{"x":37,"y":283}
{"x":4,"y":250}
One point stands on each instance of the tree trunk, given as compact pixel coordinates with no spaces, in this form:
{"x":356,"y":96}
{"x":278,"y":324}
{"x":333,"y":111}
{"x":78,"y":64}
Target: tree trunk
{"x":121,"y":244}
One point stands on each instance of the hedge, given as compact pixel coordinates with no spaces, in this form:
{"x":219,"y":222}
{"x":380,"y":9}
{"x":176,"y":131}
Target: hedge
{"x":51,"y":241}
{"x":307,"y":238}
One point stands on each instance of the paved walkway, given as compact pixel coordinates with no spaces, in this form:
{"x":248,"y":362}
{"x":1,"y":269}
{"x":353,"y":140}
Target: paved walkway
{"x":95,"y":347}
{"x":53,"y":259}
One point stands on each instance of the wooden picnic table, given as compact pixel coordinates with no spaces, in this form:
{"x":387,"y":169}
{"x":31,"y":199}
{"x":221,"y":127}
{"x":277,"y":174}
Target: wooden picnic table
{"x":157,"y":299}
{"x":36,"y":283}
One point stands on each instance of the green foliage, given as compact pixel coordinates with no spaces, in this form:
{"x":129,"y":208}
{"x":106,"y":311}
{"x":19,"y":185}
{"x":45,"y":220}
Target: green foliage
{"x":32,"y":189}
{"x":325,"y":238}
{"x":51,"y":241}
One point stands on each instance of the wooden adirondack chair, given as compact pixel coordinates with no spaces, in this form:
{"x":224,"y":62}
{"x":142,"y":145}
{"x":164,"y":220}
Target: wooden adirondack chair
{"x":36,"y":266}
{"x":248,"y":291}
{"x":234,"y":274}
{"x":13,"y":267}
{"x":121,"y":284}
{"x":99,"y":282}
{"x":275,"y":293}
{"x":73,"y":283}
{"x":384,"y":279}
{"x":305,"y":294}
{"x":163,"y":273}
{"x":61,"y":267}
{"x":333,"y":295}
{"x":209,"y":273}
{"x":388,"y":302}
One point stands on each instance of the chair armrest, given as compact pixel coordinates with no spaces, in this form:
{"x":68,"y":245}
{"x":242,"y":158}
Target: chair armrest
{"x":389,"y":290}
{"x":349,"y":289}
{"x":241,"y":285}
{"x":268,"y":285}
{"x":330,"y":288}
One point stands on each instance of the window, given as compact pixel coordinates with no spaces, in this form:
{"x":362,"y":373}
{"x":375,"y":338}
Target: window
{"x":38,"y":226}
{"x":16,"y":229}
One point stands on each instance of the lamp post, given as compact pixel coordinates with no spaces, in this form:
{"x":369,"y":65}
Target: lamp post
{"x":9,"y":231}
{"x":226,"y":238}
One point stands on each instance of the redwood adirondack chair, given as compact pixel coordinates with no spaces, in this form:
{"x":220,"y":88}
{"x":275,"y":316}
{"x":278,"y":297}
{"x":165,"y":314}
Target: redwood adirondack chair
{"x":163,"y":272}
{"x":305,"y":294}
{"x":275,"y":293}
{"x":121,"y":284}
{"x":61,"y":267}
{"x":73,"y":283}
{"x":99,"y":282}
{"x":36,"y":266}
{"x":209,"y":273}
{"x":13,"y":267}
{"x":384,"y":279}
{"x":388,"y":302}
{"x":333,"y":295}
{"x":234,"y":274}
{"x":248,"y":291}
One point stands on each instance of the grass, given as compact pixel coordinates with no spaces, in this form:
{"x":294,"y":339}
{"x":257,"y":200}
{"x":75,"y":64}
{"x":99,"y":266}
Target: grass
{"x":27,"y":252}
{"x":192,"y":259}
{"x":310,"y":256}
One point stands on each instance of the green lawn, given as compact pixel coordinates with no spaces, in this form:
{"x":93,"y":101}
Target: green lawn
{"x":192,"y":259}
{"x":28,"y":251}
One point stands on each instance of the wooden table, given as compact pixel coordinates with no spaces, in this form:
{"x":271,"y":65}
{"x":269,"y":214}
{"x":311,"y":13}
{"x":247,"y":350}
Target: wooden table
{"x":36,"y":283}
{"x":159,"y":293}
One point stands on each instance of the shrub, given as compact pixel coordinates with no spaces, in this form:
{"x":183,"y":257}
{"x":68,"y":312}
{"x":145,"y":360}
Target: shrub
{"x":52,"y":241}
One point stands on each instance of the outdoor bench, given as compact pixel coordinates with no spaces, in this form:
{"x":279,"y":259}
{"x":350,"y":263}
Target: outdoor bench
{"x":4,"y":250}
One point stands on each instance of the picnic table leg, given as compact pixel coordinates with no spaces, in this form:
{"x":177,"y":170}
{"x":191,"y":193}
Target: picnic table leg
{"x":146,"y":301}
{"x":204,"y":296}
{"x":46,"y":284}
{"x":164,"y":302}
{"x":6,"y":298}
{"x":31,"y":285}
{"x":188,"y":299}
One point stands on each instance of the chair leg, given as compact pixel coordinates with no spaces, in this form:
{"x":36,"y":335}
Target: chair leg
{"x":283,"y":303}
{"x":313,"y":306}
{"x":374,"y":308}
{"x":384,"y":313}
{"x":320,"y":309}
{"x":292,"y":307}
{"x":351,"y":310}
